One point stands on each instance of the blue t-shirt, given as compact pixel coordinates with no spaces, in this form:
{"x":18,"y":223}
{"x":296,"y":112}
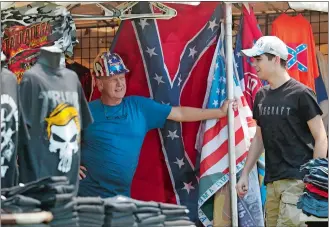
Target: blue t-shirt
{"x":112,"y":144}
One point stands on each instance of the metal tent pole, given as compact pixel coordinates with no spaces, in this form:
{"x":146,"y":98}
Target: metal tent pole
{"x":230,"y":95}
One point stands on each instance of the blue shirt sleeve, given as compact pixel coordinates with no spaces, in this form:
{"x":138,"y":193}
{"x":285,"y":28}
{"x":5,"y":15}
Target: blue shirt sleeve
{"x":155,"y":113}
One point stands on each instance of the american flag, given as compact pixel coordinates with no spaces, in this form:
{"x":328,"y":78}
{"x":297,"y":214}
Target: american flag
{"x":169,"y":61}
{"x":214,"y":163}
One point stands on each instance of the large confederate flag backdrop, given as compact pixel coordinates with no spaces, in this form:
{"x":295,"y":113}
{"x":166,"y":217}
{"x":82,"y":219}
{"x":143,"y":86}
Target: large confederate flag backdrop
{"x":169,"y":61}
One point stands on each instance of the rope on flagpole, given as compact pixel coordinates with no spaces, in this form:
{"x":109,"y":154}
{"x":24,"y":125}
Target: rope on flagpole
{"x":230,"y":95}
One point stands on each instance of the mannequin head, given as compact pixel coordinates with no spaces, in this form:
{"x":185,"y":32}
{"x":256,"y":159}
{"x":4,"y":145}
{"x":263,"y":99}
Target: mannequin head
{"x":51,"y":56}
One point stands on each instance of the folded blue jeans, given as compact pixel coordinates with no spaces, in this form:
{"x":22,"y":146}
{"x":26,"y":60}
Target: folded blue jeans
{"x":309,"y":204}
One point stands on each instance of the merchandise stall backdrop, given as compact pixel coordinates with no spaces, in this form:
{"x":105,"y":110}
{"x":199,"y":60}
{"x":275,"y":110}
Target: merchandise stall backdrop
{"x":97,"y":36}
{"x":92,"y":42}
{"x":265,"y":17}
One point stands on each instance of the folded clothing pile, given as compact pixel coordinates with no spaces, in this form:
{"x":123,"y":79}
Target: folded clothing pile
{"x":123,"y":211}
{"x":20,"y":210}
{"x":19,"y":204}
{"x":119,"y":211}
{"x":90,"y":211}
{"x":175,"y":215}
{"x":314,"y":200}
{"x":54,"y":194}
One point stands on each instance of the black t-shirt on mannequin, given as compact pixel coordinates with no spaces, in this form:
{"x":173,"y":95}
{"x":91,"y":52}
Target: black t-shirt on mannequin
{"x":282,"y":114}
{"x":55,"y":110}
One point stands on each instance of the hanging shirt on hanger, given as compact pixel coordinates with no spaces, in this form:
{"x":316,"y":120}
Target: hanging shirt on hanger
{"x":323,"y":68}
{"x":26,"y":29}
{"x":297,"y":34}
{"x":56,"y":111}
{"x":84,"y":77}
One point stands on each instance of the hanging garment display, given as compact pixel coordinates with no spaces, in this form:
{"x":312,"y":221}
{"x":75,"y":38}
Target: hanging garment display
{"x":26,"y":29}
{"x":84,"y":77}
{"x":55,"y":111}
{"x":297,"y":34}
{"x":323,"y":68}
{"x":9,"y":128}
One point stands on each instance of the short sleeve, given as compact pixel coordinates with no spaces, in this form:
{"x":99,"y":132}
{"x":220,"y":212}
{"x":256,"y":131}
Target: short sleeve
{"x":26,"y":90}
{"x":155,"y":113}
{"x":308,"y":106}
{"x":86,"y":117}
{"x":255,"y":109}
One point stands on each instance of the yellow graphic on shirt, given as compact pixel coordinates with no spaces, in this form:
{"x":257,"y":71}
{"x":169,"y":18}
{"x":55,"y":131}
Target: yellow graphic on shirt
{"x":63,"y":131}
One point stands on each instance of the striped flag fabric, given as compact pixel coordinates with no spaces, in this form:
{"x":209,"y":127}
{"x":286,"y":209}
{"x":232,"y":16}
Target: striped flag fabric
{"x":248,"y":34}
{"x":214,"y":161}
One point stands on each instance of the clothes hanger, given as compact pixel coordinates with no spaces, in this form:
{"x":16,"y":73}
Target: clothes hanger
{"x":69,"y":60}
{"x":110,"y":12}
{"x":289,"y":8}
{"x":125,"y":9}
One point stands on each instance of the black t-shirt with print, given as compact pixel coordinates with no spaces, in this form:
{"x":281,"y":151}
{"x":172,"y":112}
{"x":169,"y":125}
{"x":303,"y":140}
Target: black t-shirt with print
{"x":282,"y":115}
{"x":55,"y":111}
{"x":9,"y":128}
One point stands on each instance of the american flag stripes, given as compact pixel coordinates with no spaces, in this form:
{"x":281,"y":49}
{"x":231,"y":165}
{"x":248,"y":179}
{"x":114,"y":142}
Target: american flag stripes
{"x":214,"y":163}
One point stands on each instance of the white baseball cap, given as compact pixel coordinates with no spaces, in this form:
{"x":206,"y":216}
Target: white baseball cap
{"x":268,"y":44}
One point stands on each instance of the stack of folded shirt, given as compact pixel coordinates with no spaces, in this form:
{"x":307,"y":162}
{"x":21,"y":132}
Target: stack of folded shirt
{"x":314,"y":200}
{"x":149,"y":214}
{"x":176,"y":215}
{"x":90,"y":211}
{"x":119,"y":211}
{"x":123,"y":211}
{"x":19,"y":209}
{"x":19,"y":204}
{"x":55,"y":195}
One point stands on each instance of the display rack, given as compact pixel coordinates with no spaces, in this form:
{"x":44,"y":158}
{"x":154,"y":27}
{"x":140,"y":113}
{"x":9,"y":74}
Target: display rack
{"x":94,"y":39}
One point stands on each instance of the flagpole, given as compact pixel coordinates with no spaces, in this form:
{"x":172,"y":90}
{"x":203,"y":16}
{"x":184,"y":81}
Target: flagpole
{"x":230,"y":95}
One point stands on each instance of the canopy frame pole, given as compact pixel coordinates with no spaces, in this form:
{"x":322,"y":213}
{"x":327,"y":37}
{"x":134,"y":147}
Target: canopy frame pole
{"x":230,"y":95}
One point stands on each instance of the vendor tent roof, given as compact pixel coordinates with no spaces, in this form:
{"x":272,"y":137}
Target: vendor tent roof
{"x":92,"y":8}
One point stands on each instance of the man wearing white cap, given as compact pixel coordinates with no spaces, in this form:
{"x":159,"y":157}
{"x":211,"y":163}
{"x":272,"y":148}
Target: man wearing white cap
{"x":290,"y":129}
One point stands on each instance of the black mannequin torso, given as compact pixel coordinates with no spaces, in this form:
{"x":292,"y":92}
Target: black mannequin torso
{"x":51,"y":56}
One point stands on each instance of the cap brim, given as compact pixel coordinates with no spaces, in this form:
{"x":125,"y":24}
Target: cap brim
{"x":252,"y":52}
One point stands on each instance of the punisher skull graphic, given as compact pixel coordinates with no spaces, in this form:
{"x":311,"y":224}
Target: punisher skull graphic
{"x":9,"y":127}
{"x":64,"y":134}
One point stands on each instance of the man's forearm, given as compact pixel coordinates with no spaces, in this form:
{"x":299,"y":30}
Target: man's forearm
{"x":190,"y":114}
{"x":255,"y":150}
{"x":320,"y":148}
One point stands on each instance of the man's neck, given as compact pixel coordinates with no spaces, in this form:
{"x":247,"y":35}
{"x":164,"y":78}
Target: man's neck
{"x":278,"y":79}
{"x":110,"y":101}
